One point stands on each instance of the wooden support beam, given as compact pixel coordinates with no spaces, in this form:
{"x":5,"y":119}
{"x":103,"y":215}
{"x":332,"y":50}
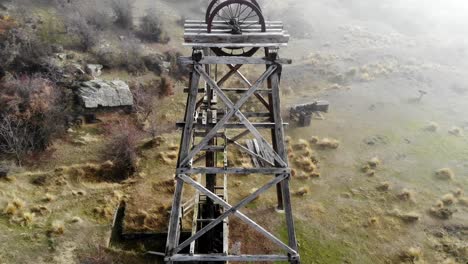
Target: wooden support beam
{"x":231,"y":112}
{"x":228,"y":211}
{"x":234,"y":108}
{"x":246,"y":81}
{"x":233,"y":125}
{"x":238,"y":61}
{"x":221,"y":257}
{"x":240,"y":215}
{"x":233,"y":171}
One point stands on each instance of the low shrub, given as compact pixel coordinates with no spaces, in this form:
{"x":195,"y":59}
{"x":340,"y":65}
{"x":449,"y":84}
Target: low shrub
{"x":121,"y":150}
{"x":32,"y":114}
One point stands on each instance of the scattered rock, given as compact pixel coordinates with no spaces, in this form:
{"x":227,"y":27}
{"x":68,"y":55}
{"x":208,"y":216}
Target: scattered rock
{"x":445,"y":174}
{"x":409,"y":217}
{"x":40,"y":209}
{"x":99,"y":93}
{"x":94,"y":70}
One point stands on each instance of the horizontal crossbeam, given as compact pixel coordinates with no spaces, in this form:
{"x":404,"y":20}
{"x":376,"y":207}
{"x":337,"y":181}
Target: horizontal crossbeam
{"x":238,"y":171}
{"x":233,"y":60}
{"x":220,"y":257}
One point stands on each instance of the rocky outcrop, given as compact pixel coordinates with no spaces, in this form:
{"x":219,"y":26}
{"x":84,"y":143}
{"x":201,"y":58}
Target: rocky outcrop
{"x":99,"y":93}
{"x":94,"y":70}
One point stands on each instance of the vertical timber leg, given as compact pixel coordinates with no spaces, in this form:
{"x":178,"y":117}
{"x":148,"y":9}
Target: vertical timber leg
{"x":278,"y":139}
{"x":174,"y":228}
{"x":277,"y":133}
{"x":185,"y":143}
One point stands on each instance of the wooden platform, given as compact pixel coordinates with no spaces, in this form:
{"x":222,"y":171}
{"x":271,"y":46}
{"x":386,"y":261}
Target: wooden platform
{"x":196,"y":34}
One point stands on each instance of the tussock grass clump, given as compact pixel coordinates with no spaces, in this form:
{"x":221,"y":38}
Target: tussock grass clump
{"x":40,"y":210}
{"x":383,"y":187}
{"x":27,"y":219}
{"x":463,"y":201}
{"x":411,"y":254}
{"x":305,"y":164}
{"x":406,"y":195}
{"x":372,"y":221}
{"x":458,"y":193}
{"x":57,"y":228}
{"x":302,"y":191}
{"x":448,"y":199}
{"x":327,"y":143}
{"x":441,"y":213}
{"x":432,"y":127}
{"x":456,"y":131}
{"x":314,"y":140}
{"x":301,"y":145}
{"x":374,"y":162}
{"x":445,"y":174}
{"x":49,"y":197}
{"x":14,"y":207}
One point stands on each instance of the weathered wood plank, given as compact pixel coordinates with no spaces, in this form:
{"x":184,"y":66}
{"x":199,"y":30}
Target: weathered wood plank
{"x":235,"y":45}
{"x":220,"y":257}
{"x":172,"y":240}
{"x":227,"y":38}
{"x":234,"y":171}
{"x":253,"y":155}
{"x":228,"y":30}
{"x":233,"y":60}
{"x":196,"y":21}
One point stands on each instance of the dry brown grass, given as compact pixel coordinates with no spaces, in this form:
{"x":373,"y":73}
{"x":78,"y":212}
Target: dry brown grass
{"x":302,"y":191}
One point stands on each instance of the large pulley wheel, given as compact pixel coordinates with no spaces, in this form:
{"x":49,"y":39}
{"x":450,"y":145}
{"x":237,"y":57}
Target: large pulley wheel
{"x":239,"y":16}
{"x":214,"y":3}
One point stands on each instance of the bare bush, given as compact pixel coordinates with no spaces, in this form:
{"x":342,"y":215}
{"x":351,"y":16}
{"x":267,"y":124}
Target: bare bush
{"x":151,"y":28}
{"x":166,"y":87}
{"x":22,"y":50}
{"x":86,"y":33}
{"x":127,"y":55}
{"x":142,"y":100}
{"x":176,"y":70}
{"x":32,"y":113}
{"x":121,"y":150}
{"x":123,"y":11}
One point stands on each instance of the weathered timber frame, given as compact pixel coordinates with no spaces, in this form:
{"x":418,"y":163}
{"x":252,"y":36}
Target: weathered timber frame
{"x":210,"y":125}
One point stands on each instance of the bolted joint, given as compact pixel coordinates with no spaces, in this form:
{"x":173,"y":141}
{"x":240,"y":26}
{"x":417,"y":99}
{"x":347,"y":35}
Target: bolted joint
{"x":197,"y":55}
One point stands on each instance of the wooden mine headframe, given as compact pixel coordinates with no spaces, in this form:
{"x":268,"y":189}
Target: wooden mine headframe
{"x":233,"y":31}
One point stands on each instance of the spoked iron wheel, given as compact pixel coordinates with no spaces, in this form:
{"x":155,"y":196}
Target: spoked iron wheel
{"x":240,"y":16}
{"x":214,"y":3}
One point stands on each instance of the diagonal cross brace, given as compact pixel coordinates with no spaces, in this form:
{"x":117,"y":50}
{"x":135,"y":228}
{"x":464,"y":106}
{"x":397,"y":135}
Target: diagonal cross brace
{"x":228,"y":115}
{"x":234,"y":108}
{"x":246,"y":81}
{"x":234,"y":210}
